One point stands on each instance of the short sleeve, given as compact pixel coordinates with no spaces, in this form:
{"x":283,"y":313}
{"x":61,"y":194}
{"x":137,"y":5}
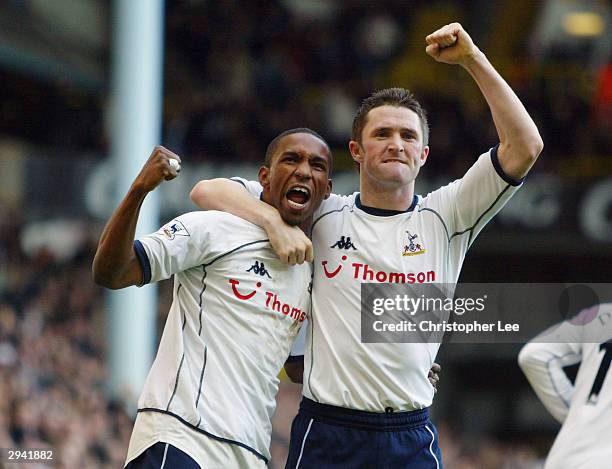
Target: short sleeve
{"x":180,"y":244}
{"x":253,"y":187}
{"x":469,"y":203}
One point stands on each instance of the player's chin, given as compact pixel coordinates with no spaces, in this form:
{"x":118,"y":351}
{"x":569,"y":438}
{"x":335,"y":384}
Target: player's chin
{"x":296,"y":214}
{"x":398,"y":174}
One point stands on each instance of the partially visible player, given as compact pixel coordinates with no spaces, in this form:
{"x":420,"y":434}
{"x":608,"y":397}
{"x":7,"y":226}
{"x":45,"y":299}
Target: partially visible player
{"x":365,"y":405}
{"x":585,"y":407}
{"x":236,"y":310}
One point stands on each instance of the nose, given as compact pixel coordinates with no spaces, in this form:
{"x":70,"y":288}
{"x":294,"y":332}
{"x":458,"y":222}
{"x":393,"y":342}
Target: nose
{"x":303,"y":170}
{"x":396,"y":144}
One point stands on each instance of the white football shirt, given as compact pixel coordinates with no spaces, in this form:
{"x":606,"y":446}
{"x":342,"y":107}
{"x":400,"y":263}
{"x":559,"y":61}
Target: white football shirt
{"x":353,"y":245}
{"x":585,"y":407}
{"x":235,"y":313}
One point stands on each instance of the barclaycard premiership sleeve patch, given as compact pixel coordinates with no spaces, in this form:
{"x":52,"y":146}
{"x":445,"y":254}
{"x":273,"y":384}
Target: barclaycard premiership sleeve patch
{"x":173,"y":229}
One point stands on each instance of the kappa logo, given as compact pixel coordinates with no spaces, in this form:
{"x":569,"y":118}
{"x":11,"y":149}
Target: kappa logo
{"x":259,"y":269}
{"x":344,"y":243}
{"x":175,"y":228}
{"x":412,"y":248}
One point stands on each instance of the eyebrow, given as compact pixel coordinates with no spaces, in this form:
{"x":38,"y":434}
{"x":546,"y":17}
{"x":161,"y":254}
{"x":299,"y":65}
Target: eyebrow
{"x":402,"y":129}
{"x":318,"y":158}
{"x":299,"y":155}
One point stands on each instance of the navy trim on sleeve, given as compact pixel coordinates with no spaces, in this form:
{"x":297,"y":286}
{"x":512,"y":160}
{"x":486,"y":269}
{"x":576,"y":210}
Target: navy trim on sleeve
{"x":495,"y":160}
{"x":294,"y":358}
{"x":143,"y":259}
{"x":382,"y":212}
{"x":239,"y":182}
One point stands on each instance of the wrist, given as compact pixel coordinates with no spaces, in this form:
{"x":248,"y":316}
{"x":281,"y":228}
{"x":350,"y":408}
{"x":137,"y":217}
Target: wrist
{"x":138,"y":189}
{"x":473,"y":59}
{"x":270,"y":218}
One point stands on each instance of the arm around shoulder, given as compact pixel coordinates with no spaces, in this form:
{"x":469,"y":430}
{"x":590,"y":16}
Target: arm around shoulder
{"x":232,"y":197}
{"x":289,"y":242}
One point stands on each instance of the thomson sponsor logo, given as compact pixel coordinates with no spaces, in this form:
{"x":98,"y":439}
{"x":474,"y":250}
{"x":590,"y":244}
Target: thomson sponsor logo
{"x":367,"y":274}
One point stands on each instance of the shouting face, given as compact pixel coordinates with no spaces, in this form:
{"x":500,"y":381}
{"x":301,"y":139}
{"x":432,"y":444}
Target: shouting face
{"x":297,"y":179}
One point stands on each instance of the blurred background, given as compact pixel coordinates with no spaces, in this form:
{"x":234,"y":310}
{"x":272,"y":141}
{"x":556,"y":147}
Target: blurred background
{"x":235,"y":74}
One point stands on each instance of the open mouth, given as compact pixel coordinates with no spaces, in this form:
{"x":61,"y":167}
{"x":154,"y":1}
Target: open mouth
{"x":298,"y":196}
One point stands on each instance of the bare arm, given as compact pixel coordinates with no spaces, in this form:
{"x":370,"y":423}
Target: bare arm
{"x":520,"y":141}
{"x":115,"y":264}
{"x":289,"y":242}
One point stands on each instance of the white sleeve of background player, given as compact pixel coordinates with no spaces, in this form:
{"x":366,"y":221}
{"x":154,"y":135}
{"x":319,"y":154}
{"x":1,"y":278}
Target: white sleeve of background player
{"x":253,"y":187}
{"x":299,"y":345}
{"x":543,"y":362}
{"x":179,"y":245}
{"x":468,"y":204}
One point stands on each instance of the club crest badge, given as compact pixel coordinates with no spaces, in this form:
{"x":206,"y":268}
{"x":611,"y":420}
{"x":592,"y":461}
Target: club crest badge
{"x":174,"y":228}
{"x":412,"y":247}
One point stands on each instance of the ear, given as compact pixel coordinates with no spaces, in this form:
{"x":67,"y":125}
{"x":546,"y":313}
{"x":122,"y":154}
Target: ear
{"x":424,"y":155}
{"x":264,"y":177}
{"x":356,"y":151}
{"x":328,"y":189}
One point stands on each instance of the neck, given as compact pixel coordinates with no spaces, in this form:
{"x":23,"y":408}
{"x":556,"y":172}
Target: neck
{"x":399,"y":198}
{"x":305,"y":226}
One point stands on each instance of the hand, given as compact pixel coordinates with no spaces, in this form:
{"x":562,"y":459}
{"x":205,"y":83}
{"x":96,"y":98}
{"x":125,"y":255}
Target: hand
{"x":451,"y":44}
{"x":289,"y":242}
{"x":433,"y":375}
{"x":157,"y":169}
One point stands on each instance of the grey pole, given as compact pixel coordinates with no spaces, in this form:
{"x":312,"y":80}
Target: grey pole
{"x":135,"y":127}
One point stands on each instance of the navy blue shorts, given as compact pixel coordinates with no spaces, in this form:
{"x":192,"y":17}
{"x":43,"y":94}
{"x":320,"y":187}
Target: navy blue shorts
{"x":163,"y":456}
{"x":329,"y":437}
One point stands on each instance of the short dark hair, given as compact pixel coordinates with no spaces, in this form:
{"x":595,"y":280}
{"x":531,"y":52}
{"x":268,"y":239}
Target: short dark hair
{"x":399,"y":97}
{"x":299,"y":130}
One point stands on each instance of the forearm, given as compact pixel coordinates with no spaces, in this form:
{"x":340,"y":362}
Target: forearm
{"x":229,"y":196}
{"x":289,"y":242}
{"x":115,"y":264}
{"x":520,"y":141}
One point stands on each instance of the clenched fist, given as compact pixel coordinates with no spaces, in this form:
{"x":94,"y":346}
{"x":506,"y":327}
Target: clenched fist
{"x":162,"y":165}
{"x":451,"y":44}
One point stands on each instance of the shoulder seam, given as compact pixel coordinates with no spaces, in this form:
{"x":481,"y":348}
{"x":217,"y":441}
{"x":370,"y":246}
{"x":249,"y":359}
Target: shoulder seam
{"x":427,"y":209}
{"x":471,"y":229}
{"x":234,"y":250}
{"x":327,"y":213}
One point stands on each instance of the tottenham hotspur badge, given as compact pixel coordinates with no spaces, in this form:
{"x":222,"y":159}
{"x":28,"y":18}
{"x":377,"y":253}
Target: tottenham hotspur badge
{"x":412,"y":245}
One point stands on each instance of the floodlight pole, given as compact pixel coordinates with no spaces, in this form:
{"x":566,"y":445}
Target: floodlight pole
{"x":135,"y":128}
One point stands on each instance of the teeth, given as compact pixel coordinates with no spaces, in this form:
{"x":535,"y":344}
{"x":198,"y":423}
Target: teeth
{"x":301,"y":189}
